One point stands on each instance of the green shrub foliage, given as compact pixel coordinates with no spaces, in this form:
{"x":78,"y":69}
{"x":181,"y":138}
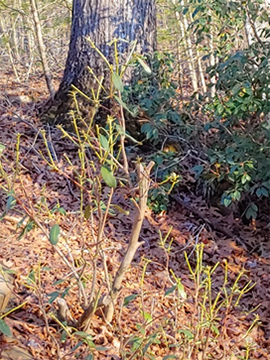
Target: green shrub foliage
{"x":240,"y":122}
{"x":235,"y":137}
{"x":153,"y":94}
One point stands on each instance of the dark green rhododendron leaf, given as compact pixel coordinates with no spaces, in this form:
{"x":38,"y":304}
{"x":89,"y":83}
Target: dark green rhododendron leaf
{"x":252,"y":211}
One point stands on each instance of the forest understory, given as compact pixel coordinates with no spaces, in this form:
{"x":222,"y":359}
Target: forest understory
{"x":154,"y":321}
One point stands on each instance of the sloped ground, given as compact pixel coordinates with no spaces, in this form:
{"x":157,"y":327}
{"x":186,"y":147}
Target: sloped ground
{"x":155,"y":314}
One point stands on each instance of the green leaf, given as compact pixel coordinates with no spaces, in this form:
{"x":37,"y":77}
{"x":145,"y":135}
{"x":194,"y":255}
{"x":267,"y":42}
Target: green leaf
{"x":136,"y":342}
{"x":11,"y":201}
{"x":147,"y":129}
{"x":215,"y":329}
{"x":54,"y":234}
{"x":121,"y":132}
{"x":63,"y":336}
{"x":188,"y":334}
{"x":170,"y":290}
{"x":119,"y":209}
{"x":233,"y":169}
{"x":236,"y":195}
{"x":259,"y":192}
{"x":2,"y":148}
{"x":121,"y":102}
{"x":89,"y":357}
{"x":20,"y":223}
{"x":236,"y":89}
{"x":129,"y":298}
{"x":29,"y":226}
{"x":108,"y":177}
{"x":227,"y":201}
{"x":101,"y":348}
{"x":4,"y":328}
{"x":59,"y":209}
{"x":169,"y":357}
{"x":58,"y":282}
{"x":151,"y":357}
{"x":185,"y":11}
{"x":197,"y":170}
{"x":220,"y":109}
{"x":250,"y":214}
{"x":181,"y":290}
{"x":76,"y":346}
{"x":145,"y":66}
{"x":252,"y":211}
{"x":104,"y":142}
{"x":31,"y":279}
{"x":90,"y":343}
{"x":65,"y":292}
{"x":245,"y":178}
{"x":254,"y":206}
{"x":266,"y":184}
{"x":147,"y":316}
{"x":83,"y":334}
{"x":117,"y":81}
{"x":46,"y":268}
{"x":87,"y":212}
{"x":4,"y":213}
{"x":52,"y":296}
{"x":62,"y":211}
{"x":146,"y":347}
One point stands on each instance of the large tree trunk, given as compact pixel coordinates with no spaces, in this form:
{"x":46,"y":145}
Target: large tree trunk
{"x":102,"y":21}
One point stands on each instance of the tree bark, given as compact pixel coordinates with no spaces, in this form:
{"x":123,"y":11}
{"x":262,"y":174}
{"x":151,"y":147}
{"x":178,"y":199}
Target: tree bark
{"x":102,"y":21}
{"x":183,"y":27}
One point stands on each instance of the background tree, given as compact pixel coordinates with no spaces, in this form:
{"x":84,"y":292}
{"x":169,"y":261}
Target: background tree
{"x":41,"y":47}
{"x":19,"y":50}
{"x":101,"y":22}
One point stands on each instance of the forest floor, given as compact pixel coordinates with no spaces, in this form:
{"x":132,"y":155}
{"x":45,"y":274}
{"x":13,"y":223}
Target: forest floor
{"x":156,"y":323}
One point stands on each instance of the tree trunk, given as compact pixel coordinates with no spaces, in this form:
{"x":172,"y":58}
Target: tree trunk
{"x":102,"y":21}
{"x":42,"y":48}
{"x":183,"y":25}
